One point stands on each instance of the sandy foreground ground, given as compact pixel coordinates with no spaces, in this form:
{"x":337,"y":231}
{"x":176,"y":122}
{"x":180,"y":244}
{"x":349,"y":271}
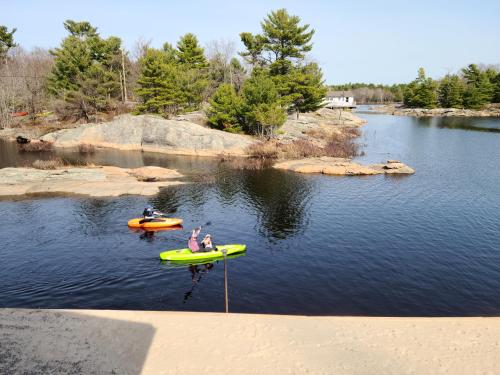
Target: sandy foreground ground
{"x":138,"y":342}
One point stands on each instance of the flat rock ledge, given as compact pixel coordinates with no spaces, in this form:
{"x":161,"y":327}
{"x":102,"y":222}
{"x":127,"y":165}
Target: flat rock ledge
{"x":343,"y":167}
{"x":103,"y":181}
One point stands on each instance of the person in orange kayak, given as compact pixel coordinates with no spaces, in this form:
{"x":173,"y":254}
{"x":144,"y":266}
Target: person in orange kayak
{"x":149,"y":214}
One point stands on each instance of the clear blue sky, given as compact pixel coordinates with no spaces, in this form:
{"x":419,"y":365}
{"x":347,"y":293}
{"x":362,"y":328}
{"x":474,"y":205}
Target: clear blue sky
{"x":368,"y":41}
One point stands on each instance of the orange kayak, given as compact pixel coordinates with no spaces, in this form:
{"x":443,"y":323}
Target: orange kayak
{"x":160,"y":222}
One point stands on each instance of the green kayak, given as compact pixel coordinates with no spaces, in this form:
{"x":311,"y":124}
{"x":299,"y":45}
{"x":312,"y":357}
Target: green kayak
{"x":187,"y":255}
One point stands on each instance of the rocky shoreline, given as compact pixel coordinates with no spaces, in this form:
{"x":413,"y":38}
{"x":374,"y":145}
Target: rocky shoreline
{"x":398,"y":110}
{"x":183,"y":135}
{"x":103,"y":181}
{"x":343,"y":167}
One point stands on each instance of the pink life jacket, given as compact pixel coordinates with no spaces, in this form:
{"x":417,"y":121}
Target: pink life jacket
{"x":193,"y":240}
{"x":193,"y":244}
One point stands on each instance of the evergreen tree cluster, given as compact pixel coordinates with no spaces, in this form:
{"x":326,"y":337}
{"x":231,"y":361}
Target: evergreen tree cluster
{"x":173,"y":80}
{"x":85,"y":76}
{"x":89,"y":75}
{"x":473,"y":89}
{"x":281,"y":81}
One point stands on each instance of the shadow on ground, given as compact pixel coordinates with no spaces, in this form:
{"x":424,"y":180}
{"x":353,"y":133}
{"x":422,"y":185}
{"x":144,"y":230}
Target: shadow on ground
{"x":60,"y":342}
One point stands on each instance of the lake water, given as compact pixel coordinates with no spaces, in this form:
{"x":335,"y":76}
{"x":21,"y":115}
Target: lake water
{"x":420,"y":245}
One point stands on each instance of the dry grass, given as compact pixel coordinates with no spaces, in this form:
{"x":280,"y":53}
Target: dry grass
{"x":246,"y":163}
{"x":53,"y":163}
{"x":36,"y":146}
{"x":56,"y":163}
{"x":264,"y":150}
{"x":86,"y":148}
{"x":340,"y":145}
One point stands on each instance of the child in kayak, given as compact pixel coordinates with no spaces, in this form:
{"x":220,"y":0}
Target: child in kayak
{"x":206,"y":244}
{"x":193,"y":240}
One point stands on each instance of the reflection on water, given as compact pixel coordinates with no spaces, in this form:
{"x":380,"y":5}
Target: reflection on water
{"x":280,"y":198}
{"x":197,"y":273}
{"x":482,"y":124}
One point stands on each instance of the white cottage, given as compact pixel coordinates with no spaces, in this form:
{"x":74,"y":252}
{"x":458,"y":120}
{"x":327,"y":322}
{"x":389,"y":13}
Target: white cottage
{"x":340,"y":99}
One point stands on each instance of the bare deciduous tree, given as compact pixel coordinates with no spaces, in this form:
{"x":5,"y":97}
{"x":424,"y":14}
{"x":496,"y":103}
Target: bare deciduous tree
{"x":22,"y":83}
{"x":224,"y":67}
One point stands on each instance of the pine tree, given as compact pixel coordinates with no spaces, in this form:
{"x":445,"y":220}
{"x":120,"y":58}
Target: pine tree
{"x":173,"y":80}
{"x":159,"y":86}
{"x":84,"y":56}
{"x":269,"y":117}
{"x":451,"y":92}
{"x":282,"y":41}
{"x":6,"y":41}
{"x":193,"y":84}
{"x":421,"y":93}
{"x":281,"y":49}
{"x":225,"y":109}
{"x":479,"y":90}
{"x":262,"y":105}
{"x":302,"y":89}
{"x":190,"y":53}
{"x":496,"y":98}
{"x":170,"y":52}
{"x":193,"y":71}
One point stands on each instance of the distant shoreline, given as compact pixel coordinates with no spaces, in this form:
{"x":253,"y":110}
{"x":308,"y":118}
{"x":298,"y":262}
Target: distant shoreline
{"x":399,"y":110}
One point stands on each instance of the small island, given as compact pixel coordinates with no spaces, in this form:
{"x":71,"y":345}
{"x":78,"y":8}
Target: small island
{"x":106,"y":181}
{"x":343,"y":167}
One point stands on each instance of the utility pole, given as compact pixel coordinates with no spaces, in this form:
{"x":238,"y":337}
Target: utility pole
{"x":231,"y":73}
{"x":121,"y":86}
{"x":124,"y":77}
{"x":226,"y":297}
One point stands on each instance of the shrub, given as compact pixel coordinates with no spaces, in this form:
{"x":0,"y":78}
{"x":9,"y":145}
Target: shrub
{"x":36,"y":146}
{"x":53,"y":163}
{"x":264,"y":150}
{"x":86,"y":148}
{"x":340,"y":145}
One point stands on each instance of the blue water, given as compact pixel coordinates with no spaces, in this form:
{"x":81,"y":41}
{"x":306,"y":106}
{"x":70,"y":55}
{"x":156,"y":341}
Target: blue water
{"x":420,"y":245}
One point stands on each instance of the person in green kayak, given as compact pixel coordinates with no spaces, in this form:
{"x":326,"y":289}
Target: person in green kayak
{"x":206,"y":244}
{"x":193,"y":240}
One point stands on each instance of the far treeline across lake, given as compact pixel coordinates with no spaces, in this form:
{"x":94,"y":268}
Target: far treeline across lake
{"x":474,"y":87}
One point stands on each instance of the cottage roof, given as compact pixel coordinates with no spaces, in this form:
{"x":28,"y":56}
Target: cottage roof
{"x":339,"y":94}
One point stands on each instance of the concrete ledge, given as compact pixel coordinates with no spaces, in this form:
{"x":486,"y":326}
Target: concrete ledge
{"x":134,"y":342}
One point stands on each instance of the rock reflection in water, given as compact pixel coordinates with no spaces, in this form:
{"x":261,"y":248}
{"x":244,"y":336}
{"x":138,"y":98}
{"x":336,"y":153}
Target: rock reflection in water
{"x":481,"y":124}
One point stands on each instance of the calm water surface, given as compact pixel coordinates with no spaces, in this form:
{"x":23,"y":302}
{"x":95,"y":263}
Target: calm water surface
{"x":425,"y":245}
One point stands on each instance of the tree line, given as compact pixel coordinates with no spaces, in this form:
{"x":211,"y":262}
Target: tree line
{"x":88,"y":75}
{"x":472,"y":88}
{"x":366,"y":93}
